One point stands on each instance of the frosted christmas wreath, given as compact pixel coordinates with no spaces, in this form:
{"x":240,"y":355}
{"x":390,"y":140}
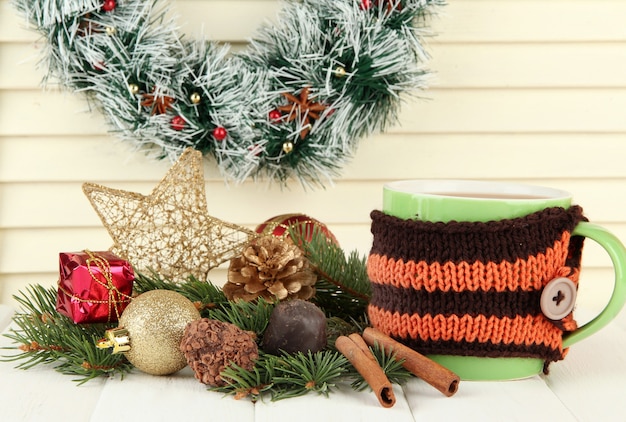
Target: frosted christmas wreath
{"x":293,"y":105}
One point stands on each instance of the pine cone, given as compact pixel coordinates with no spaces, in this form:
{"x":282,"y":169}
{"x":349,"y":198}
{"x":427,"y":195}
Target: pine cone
{"x":270,"y":268}
{"x":210,"y":346}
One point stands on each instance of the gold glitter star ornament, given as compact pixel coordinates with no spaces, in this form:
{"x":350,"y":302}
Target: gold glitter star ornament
{"x":169,"y":231}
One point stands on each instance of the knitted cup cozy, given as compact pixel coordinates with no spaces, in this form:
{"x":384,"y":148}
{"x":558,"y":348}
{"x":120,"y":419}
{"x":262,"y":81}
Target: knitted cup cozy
{"x":472,"y":288}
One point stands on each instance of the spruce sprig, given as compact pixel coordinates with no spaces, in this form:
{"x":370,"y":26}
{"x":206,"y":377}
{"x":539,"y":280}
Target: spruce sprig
{"x":249,"y":316}
{"x":205,"y":295}
{"x":44,"y":336}
{"x":318,"y":372}
{"x":392,"y":367}
{"x":343,"y":288}
{"x":286,"y":376}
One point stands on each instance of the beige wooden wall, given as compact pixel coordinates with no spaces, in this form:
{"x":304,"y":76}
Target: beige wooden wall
{"x":525,"y":90}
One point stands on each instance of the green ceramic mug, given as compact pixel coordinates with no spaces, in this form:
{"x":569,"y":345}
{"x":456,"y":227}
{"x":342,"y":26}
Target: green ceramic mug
{"x":478,"y":201}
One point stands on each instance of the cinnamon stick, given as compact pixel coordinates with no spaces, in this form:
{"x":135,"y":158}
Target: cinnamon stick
{"x":419,"y":365}
{"x":367,"y":366}
{"x":358,"y":341}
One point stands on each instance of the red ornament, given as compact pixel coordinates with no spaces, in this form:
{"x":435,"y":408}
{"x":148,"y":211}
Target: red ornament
{"x":178,"y":123}
{"x":280,"y":225}
{"x":219,"y":133}
{"x":109,"y":5}
{"x":275,"y":115}
{"x":366,"y":4}
{"x":93,"y":286}
{"x":99,"y":66}
{"x":255,"y":149}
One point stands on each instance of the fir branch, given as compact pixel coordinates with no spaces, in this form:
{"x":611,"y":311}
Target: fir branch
{"x":391,"y":366}
{"x":249,"y":316}
{"x":286,"y":376}
{"x":252,"y":384}
{"x":211,"y":301}
{"x":317,"y":372}
{"x":47,"y":337}
{"x":205,"y":295}
{"x":343,"y":288}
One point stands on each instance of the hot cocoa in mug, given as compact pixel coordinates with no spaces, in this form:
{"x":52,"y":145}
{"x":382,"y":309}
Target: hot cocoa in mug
{"x":482,"y":277}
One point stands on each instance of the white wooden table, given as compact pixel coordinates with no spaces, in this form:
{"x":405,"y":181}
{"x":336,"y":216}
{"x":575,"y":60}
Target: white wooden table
{"x":589,"y":385}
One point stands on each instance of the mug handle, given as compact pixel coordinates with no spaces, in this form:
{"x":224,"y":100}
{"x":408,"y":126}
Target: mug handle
{"x":617,"y":252}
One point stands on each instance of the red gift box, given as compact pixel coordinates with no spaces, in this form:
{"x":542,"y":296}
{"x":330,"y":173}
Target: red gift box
{"x":93,"y":286}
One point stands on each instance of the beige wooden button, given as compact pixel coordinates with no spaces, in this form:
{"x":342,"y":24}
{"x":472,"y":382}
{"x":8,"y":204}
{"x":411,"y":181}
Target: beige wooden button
{"x":558,"y":298}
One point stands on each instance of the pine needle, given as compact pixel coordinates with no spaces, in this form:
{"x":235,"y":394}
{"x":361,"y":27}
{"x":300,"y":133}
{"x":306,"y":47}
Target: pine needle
{"x":343,"y":288}
{"x":46,"y":337}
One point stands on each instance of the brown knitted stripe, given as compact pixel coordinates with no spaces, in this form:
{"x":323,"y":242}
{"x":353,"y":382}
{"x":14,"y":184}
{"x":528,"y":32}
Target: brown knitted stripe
{"x":464,"y":348}
{"x":508,"y":240}
{"x":485,"y":334}
{"x":499,"y":304}
{"x":528,"y":274}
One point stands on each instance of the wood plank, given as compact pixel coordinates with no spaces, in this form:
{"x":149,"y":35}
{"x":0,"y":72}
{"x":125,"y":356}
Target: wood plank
{"x":489,"y":155}
{"x":57,"y":112}
{"x":529,"y":399}
{"x":6,"y":313}
{"x":167,"y":397}
{"x":592,"y":363}
{"x":470,"y":111}
{"x":13,"y":284}
{"x":12,"y":26}
{"x":528,"y":65}
{"x":342,"y":405}
{"x":510,"y":110}
{"x":531,"y":21}
{"x":51,"y":406}
{"x":536,"y":158}
{"x":19,"y":66}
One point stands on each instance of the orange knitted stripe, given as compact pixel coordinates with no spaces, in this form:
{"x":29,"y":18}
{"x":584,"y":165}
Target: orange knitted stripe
{"x":528,"y":330}
{"x":523,"y":274}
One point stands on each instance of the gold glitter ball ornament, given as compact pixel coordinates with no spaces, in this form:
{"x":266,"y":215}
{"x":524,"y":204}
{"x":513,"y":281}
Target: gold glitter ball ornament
{"x":133,"y":88}
{"x":150,"y":330}
{"x":110,"y":30}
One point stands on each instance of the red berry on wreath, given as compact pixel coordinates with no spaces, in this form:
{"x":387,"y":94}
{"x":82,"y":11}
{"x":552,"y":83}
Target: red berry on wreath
{"x":109,"y":5}
{"x":99,"y":66}
{"x":255,"y":149}
{"x":366,"y":4}
{"x":219,"y":133}
{"x":178,"y":123}
{"x":275,"y":115}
